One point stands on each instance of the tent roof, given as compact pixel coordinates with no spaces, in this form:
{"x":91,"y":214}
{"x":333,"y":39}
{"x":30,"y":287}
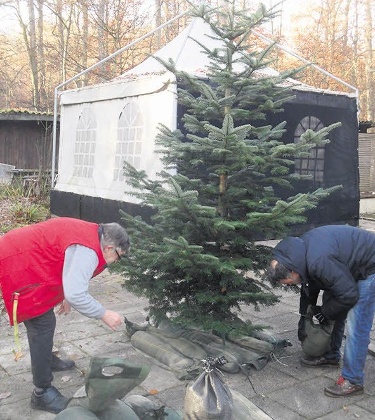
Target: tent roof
{"x":189,"y":56}
{"x":183,"y":50}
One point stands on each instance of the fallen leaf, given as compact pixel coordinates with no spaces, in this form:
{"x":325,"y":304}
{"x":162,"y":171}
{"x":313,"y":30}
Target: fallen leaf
{"x":5,"y":395}
{"x":153,"y":392}
{"x":17,"y":355}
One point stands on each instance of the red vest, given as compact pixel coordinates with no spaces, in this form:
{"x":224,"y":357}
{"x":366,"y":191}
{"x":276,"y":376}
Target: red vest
{"x":32,"y":260}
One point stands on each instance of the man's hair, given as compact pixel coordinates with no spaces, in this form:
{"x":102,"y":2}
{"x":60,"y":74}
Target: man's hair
{"x":277,"y":273}
{"x":115,"y":235}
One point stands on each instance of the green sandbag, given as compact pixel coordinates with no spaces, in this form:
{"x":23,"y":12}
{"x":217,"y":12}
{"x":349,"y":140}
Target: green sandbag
{"x":235,"y":355}
{"x":118,"y":410}
{"x":102,"y":389}
{"x":186,"y":347}
{"x":171,"y":414}
{"x":278,"y":343}
{"x":252,"y":343}
{"x":149,"y":410}
{"x":145,"y":408}
{"x":76,"y":413}
{"x":156,"y":347}
{"x":318,"y":336}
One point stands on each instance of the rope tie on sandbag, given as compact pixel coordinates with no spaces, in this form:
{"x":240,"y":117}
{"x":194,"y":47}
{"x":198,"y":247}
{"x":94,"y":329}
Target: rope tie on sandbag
{"x":211,"y":363}
{"x":278,"y":359}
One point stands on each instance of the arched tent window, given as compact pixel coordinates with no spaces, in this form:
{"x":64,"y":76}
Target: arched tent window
{"x":313,"y":164}
{"x":84,"y":151}
{"x":129,"y":139}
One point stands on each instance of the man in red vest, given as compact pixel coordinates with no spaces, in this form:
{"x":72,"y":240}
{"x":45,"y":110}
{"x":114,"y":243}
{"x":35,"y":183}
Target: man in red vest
{"x":51,"y":263}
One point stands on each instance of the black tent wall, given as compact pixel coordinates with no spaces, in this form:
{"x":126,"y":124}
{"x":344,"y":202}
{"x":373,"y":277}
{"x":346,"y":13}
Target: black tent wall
{"x":341,"y":155}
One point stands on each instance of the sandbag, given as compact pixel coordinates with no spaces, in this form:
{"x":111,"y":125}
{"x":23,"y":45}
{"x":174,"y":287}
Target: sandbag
{"x":103,"y":389}
{"x":317,"y":336}
{"x":171,"y":414}
{"x":208,"y":397}
{"x":252,"y":343}
{"x":149,"y":410}
{"x":118,"y":410}
{"x":145,"y":408}
{"x":236,"y":356}
{"x":155,"y":346}
{"x":76,"y":413}
{"x":181,"y":349}
{"x":246,"y":350}
{"x":182,"y":345}
{"x":277,"y":342}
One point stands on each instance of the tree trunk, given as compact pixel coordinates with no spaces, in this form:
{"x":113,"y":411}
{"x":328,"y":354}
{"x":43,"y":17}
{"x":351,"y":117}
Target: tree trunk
{"x":40,"y":57}
{"x":158,"y":21}
{"x":33,"y":53}
{"x":369,"y":68}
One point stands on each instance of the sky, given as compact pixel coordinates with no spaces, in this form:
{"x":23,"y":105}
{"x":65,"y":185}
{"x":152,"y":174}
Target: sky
{"x":289,"y":8}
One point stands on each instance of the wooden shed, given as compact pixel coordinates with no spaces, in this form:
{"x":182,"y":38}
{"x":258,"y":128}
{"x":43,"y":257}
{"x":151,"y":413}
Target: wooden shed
{"x":26,"y":139}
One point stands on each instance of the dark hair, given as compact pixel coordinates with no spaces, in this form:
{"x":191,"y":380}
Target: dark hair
{"x":277,"y":273}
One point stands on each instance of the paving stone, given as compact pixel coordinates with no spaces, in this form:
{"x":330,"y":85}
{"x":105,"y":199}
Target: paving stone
{"x":283,"y":389}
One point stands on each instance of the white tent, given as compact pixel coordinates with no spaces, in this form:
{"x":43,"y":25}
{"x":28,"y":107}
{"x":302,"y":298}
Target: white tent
{"x":102,"y":126}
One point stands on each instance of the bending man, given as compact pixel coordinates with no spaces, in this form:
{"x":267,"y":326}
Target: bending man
{"x":51,"y":263}
{"x":341,"y":261}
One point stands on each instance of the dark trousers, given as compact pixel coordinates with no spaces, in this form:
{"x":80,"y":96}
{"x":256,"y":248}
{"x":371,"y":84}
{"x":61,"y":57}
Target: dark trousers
{"x":40,"y":332}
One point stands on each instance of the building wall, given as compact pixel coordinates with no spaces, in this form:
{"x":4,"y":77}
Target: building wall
{"x":366,"y":151}
{"x":26,"y":144}
{"x":367,"y":165}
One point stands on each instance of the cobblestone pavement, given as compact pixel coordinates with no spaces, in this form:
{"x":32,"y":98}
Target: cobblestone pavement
{"x":283,"y":389}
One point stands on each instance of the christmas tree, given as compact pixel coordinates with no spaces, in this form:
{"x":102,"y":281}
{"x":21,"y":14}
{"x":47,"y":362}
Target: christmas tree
{"x":197,"y":259}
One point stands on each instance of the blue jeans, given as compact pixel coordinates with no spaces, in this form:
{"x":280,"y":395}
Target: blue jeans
{"x":359,"y":323}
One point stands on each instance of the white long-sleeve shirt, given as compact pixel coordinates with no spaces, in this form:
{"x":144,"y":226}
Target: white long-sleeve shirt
{"x":79,"y":266}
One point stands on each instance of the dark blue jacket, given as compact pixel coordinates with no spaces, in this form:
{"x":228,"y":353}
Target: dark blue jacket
{"x":331,"y":258}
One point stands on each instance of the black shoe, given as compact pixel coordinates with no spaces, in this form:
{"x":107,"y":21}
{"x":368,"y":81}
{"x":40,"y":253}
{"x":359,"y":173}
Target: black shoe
{"x":59,"y":365}
{"x":50,"y":400}
{"x":320,"y":361}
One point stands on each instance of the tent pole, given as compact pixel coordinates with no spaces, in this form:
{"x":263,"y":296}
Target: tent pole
{"x":55,"y":105}
{"x":54,"y":137}
{"x":289,"y":51}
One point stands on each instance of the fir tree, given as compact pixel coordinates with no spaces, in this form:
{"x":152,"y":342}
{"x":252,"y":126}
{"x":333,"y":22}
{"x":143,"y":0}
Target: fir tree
{"x":197,"y":258}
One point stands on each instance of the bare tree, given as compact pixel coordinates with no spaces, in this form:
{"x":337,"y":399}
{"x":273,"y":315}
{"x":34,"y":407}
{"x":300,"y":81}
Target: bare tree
{"x":335,"y":37}
{"x":369,"y":67}
{"x":60,"y":38}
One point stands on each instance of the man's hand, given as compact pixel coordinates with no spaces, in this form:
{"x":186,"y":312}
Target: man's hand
{"x":317,"y":311}
{"x":112,"y":319}
{"x":64,"y":308}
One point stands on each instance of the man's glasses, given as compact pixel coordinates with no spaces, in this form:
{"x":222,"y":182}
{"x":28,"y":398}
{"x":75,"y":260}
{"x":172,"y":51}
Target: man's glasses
{"x":118,"y":255}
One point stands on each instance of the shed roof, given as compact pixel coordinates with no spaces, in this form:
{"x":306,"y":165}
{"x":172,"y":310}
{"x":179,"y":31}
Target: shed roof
{"x":19,"y":114}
